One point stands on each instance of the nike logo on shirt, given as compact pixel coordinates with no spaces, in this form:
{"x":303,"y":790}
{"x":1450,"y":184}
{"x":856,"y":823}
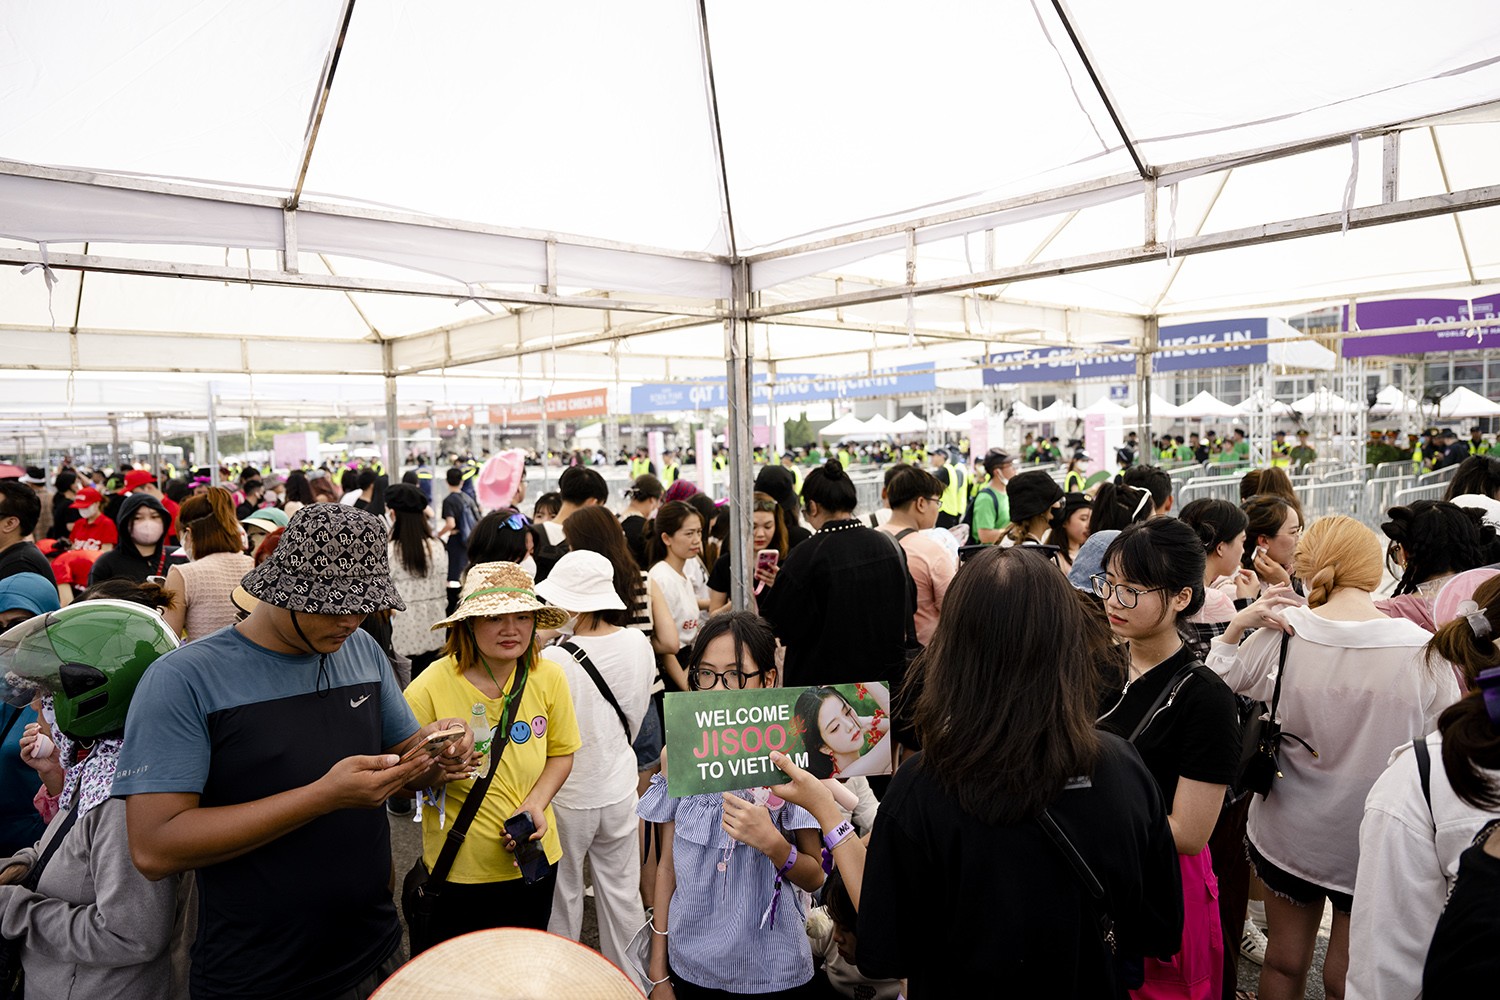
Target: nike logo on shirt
{"x":356,"y":702}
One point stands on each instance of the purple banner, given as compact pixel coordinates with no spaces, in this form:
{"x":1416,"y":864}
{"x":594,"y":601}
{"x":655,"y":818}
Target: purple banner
{"x":1419,"y":312}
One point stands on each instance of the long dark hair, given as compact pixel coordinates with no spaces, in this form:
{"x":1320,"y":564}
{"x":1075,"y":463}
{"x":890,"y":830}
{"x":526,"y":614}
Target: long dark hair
{"x":753,"y":642}
{"x":1479,"y":474}
{"x":669,"y":519}
{"x":594,"y":529}
{"x":297,"y":488}
{"x":494,"y":540}
{"x":1439,"y":538}
{"x":809,"y":705}
{"x":411,"y":534}
{"x":1471,"y":741}
{"x":1005,"y":711}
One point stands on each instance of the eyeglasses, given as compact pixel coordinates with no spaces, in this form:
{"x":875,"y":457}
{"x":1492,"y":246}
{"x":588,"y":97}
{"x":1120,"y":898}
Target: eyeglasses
{"x":1126,"y":597}
{"x":704,"y":679}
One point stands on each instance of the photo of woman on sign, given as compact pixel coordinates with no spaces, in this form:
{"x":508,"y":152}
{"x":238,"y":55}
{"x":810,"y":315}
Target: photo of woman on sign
{"x":842,"y":741}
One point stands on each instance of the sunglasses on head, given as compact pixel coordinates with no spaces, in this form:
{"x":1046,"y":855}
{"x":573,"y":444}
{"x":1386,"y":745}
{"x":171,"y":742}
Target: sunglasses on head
{"x":517,"y":521}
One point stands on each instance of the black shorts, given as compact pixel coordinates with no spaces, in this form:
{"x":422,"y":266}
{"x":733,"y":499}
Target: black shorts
{"x":1292,"y":887}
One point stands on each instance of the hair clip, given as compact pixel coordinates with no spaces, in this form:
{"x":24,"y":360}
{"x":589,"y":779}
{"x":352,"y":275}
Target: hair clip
{"x":1479,"y":622}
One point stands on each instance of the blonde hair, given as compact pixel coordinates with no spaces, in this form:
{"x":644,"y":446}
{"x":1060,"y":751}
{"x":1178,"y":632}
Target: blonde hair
{"x":1337,"y":552}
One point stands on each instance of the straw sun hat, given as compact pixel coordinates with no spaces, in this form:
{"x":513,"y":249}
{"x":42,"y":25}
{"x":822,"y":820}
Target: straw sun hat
{"x":510,"y":963}
{"x":502,"y":588}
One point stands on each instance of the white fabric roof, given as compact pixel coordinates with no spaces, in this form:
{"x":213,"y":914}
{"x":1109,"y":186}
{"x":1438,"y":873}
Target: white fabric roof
{"x":1390,"y":401}
{"x":910,"y":423}
{"x":1322,"y":400}
{"x":482,"y":179}
{"x":1464,"y":402}
{"x":846,"y":426}
{"x":1205,"y":405}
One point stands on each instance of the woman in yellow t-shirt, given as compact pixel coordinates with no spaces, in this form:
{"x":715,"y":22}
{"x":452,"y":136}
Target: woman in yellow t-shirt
{"x":491,"y":650}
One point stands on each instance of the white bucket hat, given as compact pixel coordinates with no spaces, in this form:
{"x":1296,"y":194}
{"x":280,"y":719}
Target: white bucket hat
{"x":581,"y":582}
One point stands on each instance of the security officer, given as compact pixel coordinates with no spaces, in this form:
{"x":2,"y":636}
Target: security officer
{"x":788,"y":462}
{"x":955,"y":487}
{"x":1477,"y":444}
{"x":1281,"y":451}
{"x":641,"y":465}
{"x":668,"y":468}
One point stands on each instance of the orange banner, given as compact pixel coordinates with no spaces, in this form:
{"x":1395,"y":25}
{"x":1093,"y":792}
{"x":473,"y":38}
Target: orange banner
{"x":444,"y":419}
{"x":560,"y":406}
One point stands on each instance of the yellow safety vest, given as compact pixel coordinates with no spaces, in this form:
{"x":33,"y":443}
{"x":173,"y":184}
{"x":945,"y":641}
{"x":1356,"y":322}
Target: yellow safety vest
{"x":956,"y":492}
{"x":1075,"y":481}
{"x":844,"y":457}
{"x":668,"y":474}
{"x":639,"y":467}
{"x":1281,"y":455}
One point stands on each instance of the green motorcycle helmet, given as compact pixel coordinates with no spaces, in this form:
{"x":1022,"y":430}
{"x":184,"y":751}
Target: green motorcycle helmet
{"x":89,"y":657}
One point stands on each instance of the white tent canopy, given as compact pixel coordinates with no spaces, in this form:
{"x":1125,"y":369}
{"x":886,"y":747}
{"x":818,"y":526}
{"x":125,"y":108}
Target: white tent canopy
{"x":847,"y":426}
{"x":1206,"y":405}
{"x":1323,"y":400}
{"x":1102,"y":406}
{"x":203,"y":188}
{"x":1161,"y":408}
{"x":1464,"y":403}
{"x":1391,"y":401}
{"x":1057,"y":411}
{"x":909,"y":423}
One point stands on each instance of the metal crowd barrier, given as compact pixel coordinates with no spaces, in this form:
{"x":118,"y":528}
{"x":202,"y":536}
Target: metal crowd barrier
{"x":1224,"y":487}
{"x":1433,"y":491}
{"x":1322,"y":499}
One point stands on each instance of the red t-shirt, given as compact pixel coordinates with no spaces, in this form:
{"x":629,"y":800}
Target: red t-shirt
{"x":93,"y":534}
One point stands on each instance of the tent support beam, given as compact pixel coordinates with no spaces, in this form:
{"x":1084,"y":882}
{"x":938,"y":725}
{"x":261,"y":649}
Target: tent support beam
{"x":341,"y":283}
{"x":1271,"y":232}
{"x":320,"y":104}
{"x":1101,"y":90}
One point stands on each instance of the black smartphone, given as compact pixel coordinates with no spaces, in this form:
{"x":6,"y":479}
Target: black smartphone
{"x":529,"y":854}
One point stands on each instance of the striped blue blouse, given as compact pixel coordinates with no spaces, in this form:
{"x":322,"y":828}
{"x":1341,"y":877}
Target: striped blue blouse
{"x":716,"y":938}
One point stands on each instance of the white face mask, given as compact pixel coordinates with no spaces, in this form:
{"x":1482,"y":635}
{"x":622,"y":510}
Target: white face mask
{"x":147,"y":532}
{"x":90,"y":512}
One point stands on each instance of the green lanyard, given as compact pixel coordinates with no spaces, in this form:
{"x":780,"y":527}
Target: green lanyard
{"x":516,"y":686}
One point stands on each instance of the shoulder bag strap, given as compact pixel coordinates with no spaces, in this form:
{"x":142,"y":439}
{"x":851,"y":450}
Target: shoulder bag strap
{"x":903,"y":533}
{"x":460,"y":828}
{"x":34,"y":876}
{"x":576,"y":651}
{"x":1085,"y":875}
{"x":1286,"y":639}
{"x":1424,"y":772}
{"x":1163,"y":698}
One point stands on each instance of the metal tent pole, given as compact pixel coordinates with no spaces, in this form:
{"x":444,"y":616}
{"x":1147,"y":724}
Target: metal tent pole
{"x":738,"y":350}
{"x":213,"y":438}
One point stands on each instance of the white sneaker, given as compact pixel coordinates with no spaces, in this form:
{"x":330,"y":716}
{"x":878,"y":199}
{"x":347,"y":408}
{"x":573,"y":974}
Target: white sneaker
{"x":1253,"y":944}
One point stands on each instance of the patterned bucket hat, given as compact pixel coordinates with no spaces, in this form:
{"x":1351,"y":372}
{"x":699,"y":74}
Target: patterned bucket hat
{"x":331,"y":561}
{"x":502,"y":588}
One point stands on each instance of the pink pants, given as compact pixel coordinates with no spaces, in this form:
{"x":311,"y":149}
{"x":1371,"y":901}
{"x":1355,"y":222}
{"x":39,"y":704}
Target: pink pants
{"x":1196,"y":972}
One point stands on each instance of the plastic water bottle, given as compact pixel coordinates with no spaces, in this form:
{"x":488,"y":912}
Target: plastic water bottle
{"x":480,"y":723}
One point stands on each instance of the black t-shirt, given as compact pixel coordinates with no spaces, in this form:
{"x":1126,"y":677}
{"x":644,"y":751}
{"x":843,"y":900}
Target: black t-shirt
{"x":634,"y":527}
{"x":63,"y":516}
{"x":1198,"y":737}
{"x":720,"y":578}
{"x":840,"y":606}
{"x":461,"y":509}
{"x":1463,"y":953}
{"x":24,"y":557}
{"x":796,"y":534}
{"x":964,"y":908}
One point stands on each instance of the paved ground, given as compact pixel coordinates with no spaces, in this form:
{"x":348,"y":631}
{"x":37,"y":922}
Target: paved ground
{"x":406,"y":846}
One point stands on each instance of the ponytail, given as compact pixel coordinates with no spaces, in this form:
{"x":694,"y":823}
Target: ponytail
{"x":1471,"y":746}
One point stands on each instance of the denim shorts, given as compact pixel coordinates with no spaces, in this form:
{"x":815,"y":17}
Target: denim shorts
{"x":649,"y":741}
{"x":1294,"y":888}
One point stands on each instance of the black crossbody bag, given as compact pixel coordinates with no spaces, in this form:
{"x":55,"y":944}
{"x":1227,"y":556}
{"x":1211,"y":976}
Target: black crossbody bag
{"x":577,"y":653}
{"x":1130,"y":969}
{"x":421,"y":891}
{"x":1260,"y":752}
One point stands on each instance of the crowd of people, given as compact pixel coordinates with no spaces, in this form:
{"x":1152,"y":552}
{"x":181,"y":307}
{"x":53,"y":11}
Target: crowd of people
{"x":1135,"y":745}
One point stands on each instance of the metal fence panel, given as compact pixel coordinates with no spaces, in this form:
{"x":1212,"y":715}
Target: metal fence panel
{"x":1380,"y":496}
{"x":1213,"y":487}
{"x":1323,"y":499}
{"x":1440,"y":476}
{"x":1434,"y":491}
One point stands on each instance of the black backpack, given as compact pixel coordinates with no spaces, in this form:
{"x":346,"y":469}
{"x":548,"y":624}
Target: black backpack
{"x":545,"y":553}
{"x":969,"y":510}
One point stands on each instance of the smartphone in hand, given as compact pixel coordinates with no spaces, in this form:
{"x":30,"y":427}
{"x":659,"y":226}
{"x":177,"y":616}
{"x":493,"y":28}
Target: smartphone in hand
{"x":529,"y":854}
{"x":434,"y":744}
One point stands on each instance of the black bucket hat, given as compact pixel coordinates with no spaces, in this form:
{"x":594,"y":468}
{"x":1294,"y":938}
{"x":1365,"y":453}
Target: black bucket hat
{"x":1031,"y":493}
{"x":331,"y":561}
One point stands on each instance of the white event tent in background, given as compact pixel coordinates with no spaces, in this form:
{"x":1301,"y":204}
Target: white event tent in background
{"x":1465,"y":403}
